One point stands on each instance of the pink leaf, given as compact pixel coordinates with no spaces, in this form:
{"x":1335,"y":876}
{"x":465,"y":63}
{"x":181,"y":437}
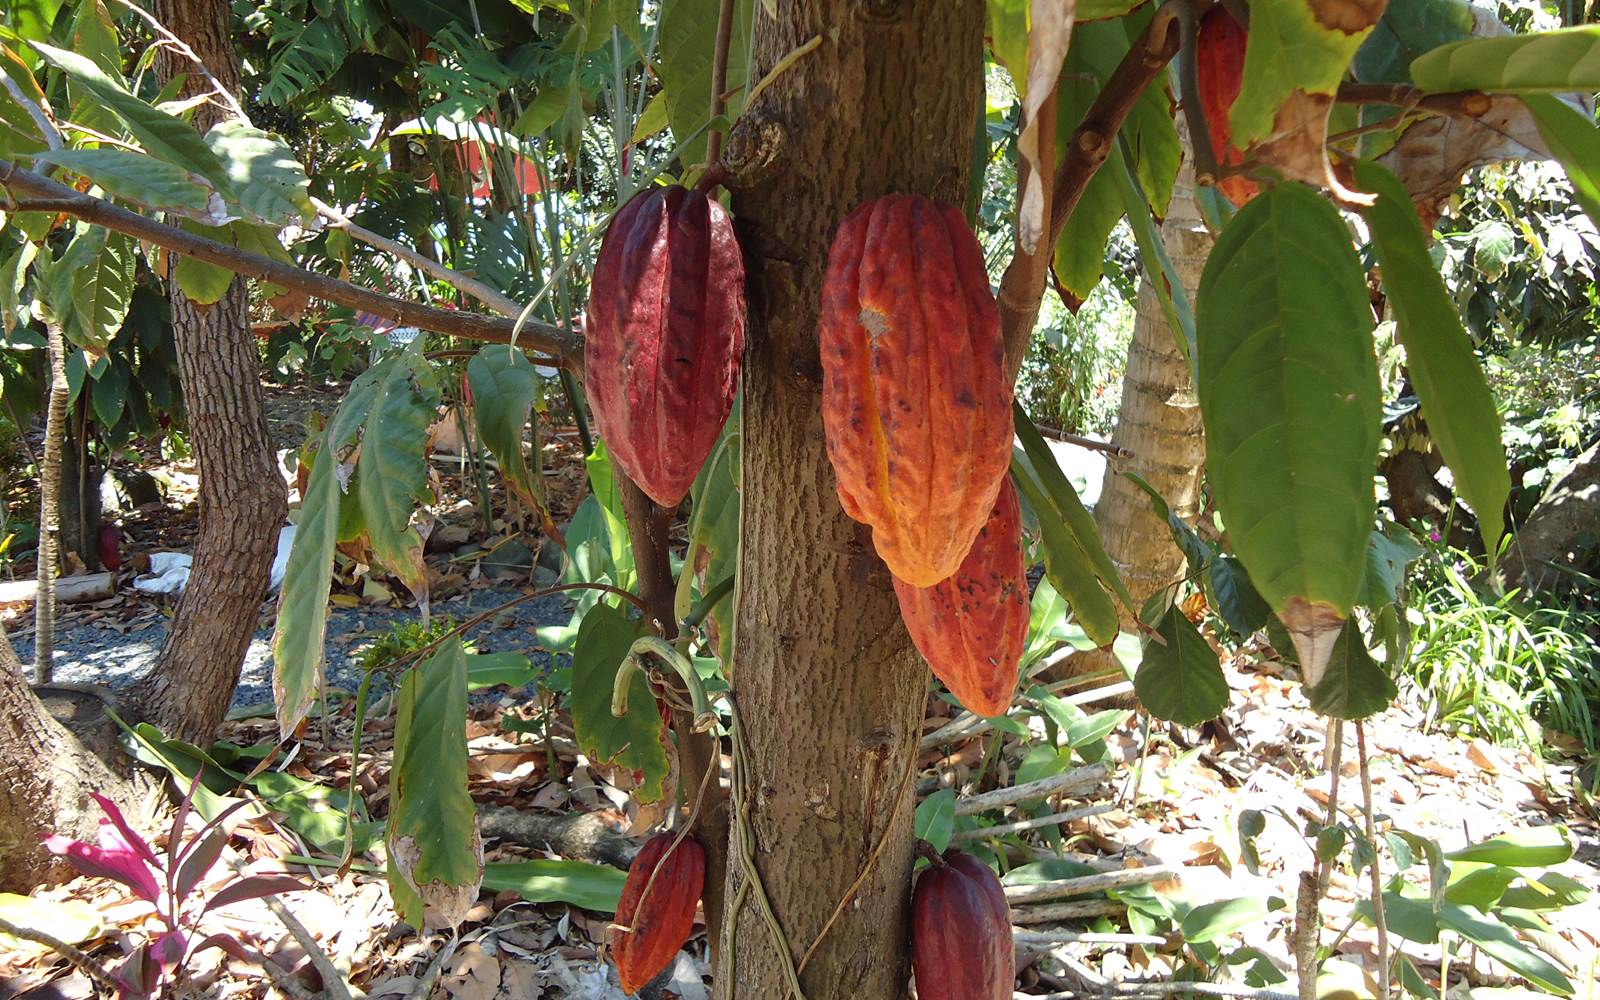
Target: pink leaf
{"x":113,"y":860}
{"x":132,"y":839}
{"x":253,"y":887}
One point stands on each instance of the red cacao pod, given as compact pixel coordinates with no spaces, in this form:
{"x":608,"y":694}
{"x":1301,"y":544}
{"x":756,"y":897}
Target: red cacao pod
{"x":961,"y":932}
{"x":108,"y":544}
{"x":971,"y":627}
{"x":1219,"y":65}
{"x":664,"y":336}
{"x":915,"y":404}
{"x":656,"y":913}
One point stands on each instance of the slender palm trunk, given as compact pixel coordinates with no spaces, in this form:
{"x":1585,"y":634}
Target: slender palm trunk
{"x":55,"y":433}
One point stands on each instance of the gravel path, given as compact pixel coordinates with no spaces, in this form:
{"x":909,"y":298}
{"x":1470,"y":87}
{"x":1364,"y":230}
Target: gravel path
{"x":92,"y":655}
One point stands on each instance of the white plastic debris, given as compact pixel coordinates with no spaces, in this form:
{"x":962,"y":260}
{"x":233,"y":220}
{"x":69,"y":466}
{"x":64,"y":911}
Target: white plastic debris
{"x":169,"y":571}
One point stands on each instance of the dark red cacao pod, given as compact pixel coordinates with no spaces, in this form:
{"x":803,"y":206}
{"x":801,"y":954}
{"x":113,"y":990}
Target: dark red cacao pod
{"x":1219,"y":64}
{"x":664,"y":336}
{"x":915,"y":404}
{"x":971,"y":627}
{"x":658,"y":911}
{"x":108,"y":545}
{"x":961,"y":932}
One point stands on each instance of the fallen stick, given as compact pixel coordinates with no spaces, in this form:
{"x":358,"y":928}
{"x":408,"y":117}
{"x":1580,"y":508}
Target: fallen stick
{"x":84,"y":587}
{"x":1081,"y":909}
{"x":1051,"y":938}
{"x":1055,"y":819}
{"x":967,"y":725}
{"x":1076,"y":779}
{"x":1162,"y":989}
{"x":1040,"y":892}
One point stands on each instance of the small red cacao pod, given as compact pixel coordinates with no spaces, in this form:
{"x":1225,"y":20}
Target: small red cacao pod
{"x":971,"y":627}
{"x":657,"y":908}
{"x":915,"y":404}
{"x":664,"y":336}
{"x":1219,"y":65}
{"x":108,"y":545}
{"x":961,"y":932}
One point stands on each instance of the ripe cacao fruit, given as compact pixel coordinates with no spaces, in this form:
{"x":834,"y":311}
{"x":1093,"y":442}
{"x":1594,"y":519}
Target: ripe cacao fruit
{"x":971,"y":627}
{"x":1219,"y":65}
{"x":915,"y":404}
{"x":961,"y":932}
{"x":656,"y":913}
{"x":664,"y":336}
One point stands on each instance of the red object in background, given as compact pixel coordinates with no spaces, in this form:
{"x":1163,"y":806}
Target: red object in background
{"x":109,"y":547}
{"x":1219,"y":55}
{"x":469,"y":153}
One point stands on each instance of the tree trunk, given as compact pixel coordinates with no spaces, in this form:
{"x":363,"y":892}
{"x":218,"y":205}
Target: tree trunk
{"x":1159,"y":422}
{"x":828,"y":688}
{"x":37,"y":800}
{"x":1559,"y":536}
{"x":242,"y":494}
{"x":55,"y":433}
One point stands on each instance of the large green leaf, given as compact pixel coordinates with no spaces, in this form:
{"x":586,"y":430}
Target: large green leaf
{"x":1290,"y":50}
{"x":684,"y":41}
{"x":308,"y":576}
{"x":393,"y":471}
{"x":1289,"y":394}
{"x":1180,"y":679}
{"x":1406,"y":31}
{"x":1534,"y":847}
{"x":590,"y":886}
{"x":1354,"y":685}
{"x":1547,"y":62}
{"x":270,"y":184}
{"x":505,"y":385}
{"x":1500,"y":942}
{"x":162,"y":135}
{"x":1574,"y":140}
{"x":603,"y":482}
{"x":433,"y":831}
{"x":92,"y":287}
{"x":1065,"y":564}
{"x":1218,"y":919}
{"x":154,"y":184}
{"x":634,"y":740}
{"x":1456,"y":401}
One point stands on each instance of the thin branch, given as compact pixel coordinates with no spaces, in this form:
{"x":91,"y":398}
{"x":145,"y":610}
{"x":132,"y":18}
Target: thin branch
{"x":1049,"y":938}
{"x":1378,"y":917}
{"x":1041,"y":892}
{"x":1164,"y":989}
{"x":336,"y":219}
{"x":1023,"y":825}
{"x":1081,"y":909}
{"x":719,"y":77}
{"x":79,"y":958}
{"x":1076,"y":779}
{"x":1458,"y":104}
{"x":47,"y":128}
{"x":27,"y":188}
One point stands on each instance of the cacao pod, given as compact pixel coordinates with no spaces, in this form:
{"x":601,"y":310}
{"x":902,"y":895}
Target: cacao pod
{"x":915,"y":404}
{"x":1219,"y":65}
{"x":971,"y":627}
{"x":961,"y":932}
{"x":664,"y":335}
{"x":656,"y":913}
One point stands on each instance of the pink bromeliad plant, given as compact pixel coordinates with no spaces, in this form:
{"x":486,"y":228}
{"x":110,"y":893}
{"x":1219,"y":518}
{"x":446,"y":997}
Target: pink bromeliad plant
{"x":169,"y":882}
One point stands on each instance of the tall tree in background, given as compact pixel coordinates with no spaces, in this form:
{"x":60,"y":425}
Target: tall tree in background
{"x":242,"y":496}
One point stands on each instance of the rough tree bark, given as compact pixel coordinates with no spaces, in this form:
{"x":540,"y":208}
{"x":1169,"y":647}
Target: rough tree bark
{"x":242,"y":494}
{"x":55,"y":433}
{"x":830,"y":693}
{"x":1562,"y":530}
{"x":1159,"y":422}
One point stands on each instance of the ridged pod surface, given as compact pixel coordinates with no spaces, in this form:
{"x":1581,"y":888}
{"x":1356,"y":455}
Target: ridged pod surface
{"x":664,"y":336}
{"x":961,"y":932}
{"x":659,"y":923}
{"x":972,"y":626}
{"x":1219,"y":65}
{"x":915,"y":405}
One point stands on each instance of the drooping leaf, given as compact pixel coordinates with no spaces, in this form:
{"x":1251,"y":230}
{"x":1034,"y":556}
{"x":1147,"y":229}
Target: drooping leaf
{"x":1546,"y":62}
{"x":1387,"y":558}
{"x":93,"y":287}
{"x":155,"y":184}
{"x":505,"y":385}
{"x":393,"y":471}
{"x":433,"y":831}
{"x":1501,"y":943}
{"x":1158,"y":268}
{"x":546,"y":108}
{"x":1180,"y":679}
{"x":634,"y":740}
{"x":1460,"y":410}
{"x":1065,"y":564}
{"x":1289,"y":394}
{"x":1354,"y":685}
{"x":1237,"y":601}
{"x":686,"y":29}
{"x":1533,"y":847}
{"x":270,"y":184}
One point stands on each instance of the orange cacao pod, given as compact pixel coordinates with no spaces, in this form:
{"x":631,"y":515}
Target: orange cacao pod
{"x":961,"y":932}
{"x":656,"y":913}
{"x":664,"y":335}
{"x":1219,"y":65}
{"x":915,"y":403}
{"x":971,"y":627}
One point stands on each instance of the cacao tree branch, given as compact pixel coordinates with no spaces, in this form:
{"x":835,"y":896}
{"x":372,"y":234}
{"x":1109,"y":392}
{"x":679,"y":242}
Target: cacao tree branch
{"x":1457,"y":104}
{"x":27,"y":190}
{"x":1022,"y":287}
{"x":719,"y":78}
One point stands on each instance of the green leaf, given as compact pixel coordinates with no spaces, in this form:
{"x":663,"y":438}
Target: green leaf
{"x":110,"y":396}
{"x":1480,"y":888}
{"x":633,"y":741}
{"x":1194,"y":548}
{"x":270,"y":184}
{"x":1354,"y":685}
{"x":1387,"y":559}
{"x":1162,"y":277}
{"x":686,"y":30}
{"x":92,"y":287}
{"x":1406,"y":31}
{"x":162,"y":135}
{"x":602,"y":480}
{"x":433,"y":830}
{"x":1212,"y":921}
{"x":1289,"y":50}
{"x":1450,"y":383}
{"x":589,"y":886}
{"x":935,"y":820}
{"x":316,"y":811}
{"x":1547,"y":62}
{"x":1574,"y":140}
{"x":1501,"y":943}
{"x":505,"y":385}
{"x":1538,"y":846}
{"x":653,"y":119}
{"x":487,"y":670}
{"x":392,"y":472}
{"x":203,"y":283}
{"x":1289,"y":394}
{"x":1237,"y":601}
{"x":154,"y":184}
{"x":1065,"y":564}
{"x":1181,"y":680}
{"x":1551,"y":891}
{"x":1411,"y":919}
{"x":546,"y":108}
